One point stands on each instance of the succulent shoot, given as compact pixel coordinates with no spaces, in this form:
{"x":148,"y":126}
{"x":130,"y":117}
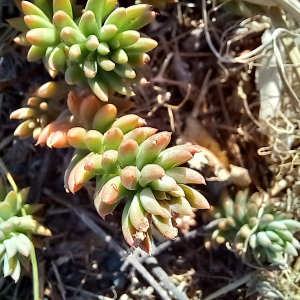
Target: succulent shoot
{"x":268,"y":284}
{"x":255,"y":225}
{"x":102,"y":46}
{"x":81,"y":112}
{"x":15,"y":245}
{"x":128,"y":161}
{"x":42,"y":108}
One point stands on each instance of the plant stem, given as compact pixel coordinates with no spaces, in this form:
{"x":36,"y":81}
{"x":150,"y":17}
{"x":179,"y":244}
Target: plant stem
{"x":35,"y":275}
{"x":230,"y":287}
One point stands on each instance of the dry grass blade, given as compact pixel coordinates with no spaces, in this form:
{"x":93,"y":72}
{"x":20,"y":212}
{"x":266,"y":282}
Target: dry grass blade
{"x":230,"y":287}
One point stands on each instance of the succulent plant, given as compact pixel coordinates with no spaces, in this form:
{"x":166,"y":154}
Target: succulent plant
{"x":15,"y":245}
{"x":81,"y":112}
{"x":42,"y":108}
{"x":103,"y":46}
{"x":128,"y":161}
{"x":267,"y":285}
{"x":161,"y":4}
{"x":254,"y":225}
{"x":276,"y":284}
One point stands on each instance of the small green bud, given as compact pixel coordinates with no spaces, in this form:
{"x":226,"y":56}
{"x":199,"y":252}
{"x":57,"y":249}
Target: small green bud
{"x":88,"y":25}
{"x":150,"y":173}
{"x":5,"y":210}
{"x":99,"y":88}
{"x":275,"y":247}
{"x":43,"y":37}
{"x":130,"y":177}
{"x":110,"y":162}
{"x":93,"y":164}
{"x":103,"y":49}
{"x":170,"y":159}
{"x":112,"y":190}
{"x":151,"y":148}
{"x":93,"y":140}
{"x":61,"y":20}
{"x":127,"y":228}
{"x":76,"y":137}
{"x":291,"y":225}
{"x":104,"y":117}
{"x":165,"y":226}
{"x":290,"y":249}
{"x":90,"y":67}
{"x":127,"y":153}
{"x":107,"y":32}
{"x":150,"y":203}
{"x":36,"y":53}
{"x":142,"y":45}
{"x":128,"y":123}
{"x":92,"y":43}
{"x":181,"y":206}
{"x":105,"y":63}
{"x":137,"y":215}
{"x":285,"y":235}
{"x":185,"y":175}
{"x":71,"y":36}
{"x":119,"y":56}
{"x":165,"y":184}
{"x":125,"y":71}
{"x":112,"y":139}
{"x":140,"y":134}
{"x":34,"y":21}
{"x":276,"y":225}
{"x":196,"y":199}
{"x":31,"y":9}
{"x":57,"y":59}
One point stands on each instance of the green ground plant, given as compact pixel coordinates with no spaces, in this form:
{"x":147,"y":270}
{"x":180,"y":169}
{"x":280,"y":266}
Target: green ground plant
{"x":101,"y":46}
{"x":17,"y":225}
{"x":254,"y":229}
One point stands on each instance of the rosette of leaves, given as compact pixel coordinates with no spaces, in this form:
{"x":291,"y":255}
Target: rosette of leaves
{"x":16,"y":222}
{"x":276,"y":284}
{"x":254,"y":225}
{"x":131,"y":161}
{"x":37,"y":14}
{"x":102,"y":46}
{"x":42,"y":108}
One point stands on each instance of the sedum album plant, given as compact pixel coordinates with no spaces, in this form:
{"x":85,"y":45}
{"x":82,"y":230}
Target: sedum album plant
{"x":16,"y":226}
{"x":132,"y":162}
{"x":46,"y":112}
{"x":254,"y":228}
{"x":102,"y":46}
{"x":128,"y":161}
{"x":43,"y":107}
